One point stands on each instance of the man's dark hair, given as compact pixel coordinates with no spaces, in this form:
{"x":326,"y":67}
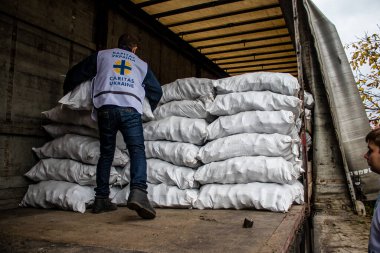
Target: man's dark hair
{"x":128,"y":41}
{"x":374,"y":136}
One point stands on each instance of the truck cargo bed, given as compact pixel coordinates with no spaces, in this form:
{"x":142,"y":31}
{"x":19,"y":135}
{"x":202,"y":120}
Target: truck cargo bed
{"x":174,"y":230}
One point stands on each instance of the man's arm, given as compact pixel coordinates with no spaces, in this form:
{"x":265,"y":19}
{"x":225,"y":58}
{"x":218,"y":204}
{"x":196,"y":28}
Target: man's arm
{"x":153,"y":90}
{"x":83,"y":71}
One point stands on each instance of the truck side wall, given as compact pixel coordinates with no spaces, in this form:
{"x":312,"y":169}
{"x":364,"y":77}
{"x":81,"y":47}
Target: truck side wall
{"x":39,"y":41}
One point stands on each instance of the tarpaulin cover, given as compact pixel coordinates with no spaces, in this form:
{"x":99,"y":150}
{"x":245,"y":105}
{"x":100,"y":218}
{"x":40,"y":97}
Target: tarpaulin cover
{"x":349,"y":117}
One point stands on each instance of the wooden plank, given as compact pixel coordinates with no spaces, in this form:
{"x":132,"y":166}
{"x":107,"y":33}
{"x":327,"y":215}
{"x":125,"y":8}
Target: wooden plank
{"x":183,"y":67}
{"x":341,"y":231}
{"x":286,"y":232}
{"x":6,"y":70}
{"x":72,"y":20}
{"x":78,"y":53}
{"x":13,"y":181}
{"x":6,"y":204}
{"x":13,"y":193}
{"x":118,"y":25}
{"x":18,"y":128}
{"x":40,"y":65}
{"x":17,"y":157}
{"x":171,"y":65}
{"x":173,"y":230}
{"x":164,"y":64}
{"x":155,"y":56}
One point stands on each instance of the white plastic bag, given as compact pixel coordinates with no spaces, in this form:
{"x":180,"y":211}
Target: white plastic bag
{"x":64,"y":115}
{"x":175,"y":128}
{"x":120,"y":196}
{"x":76,"y":147}
{"x":163,"y":195}
{"x":79,"y":98}
{"x":308,"y":100}
{"x":267,"y":122}
{"x":269,"y":196}
{"x":233,"y":103}
{"x":159,"y":171}
{"x":248,"y":144}
{"x":282,"y":83}
{"x":67,"y":170}
{"x":195,"y":109}
{"x":124,"y":175}
{"x":177,"y":153}
{"x":147,"y":111}
{"x":297,"y":190}
{"x":248,"y":169}
{"x":57,"y":130}
{"x":186,"y":89}
{"x":59,"y":194}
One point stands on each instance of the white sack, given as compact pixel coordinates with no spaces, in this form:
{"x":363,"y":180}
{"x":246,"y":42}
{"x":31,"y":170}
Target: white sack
{"x":269,"y":196}
{"x":267,"y":122}
{"x":282,"y":83}
{"x":233,"y":103}
{"x":64,"y":115}
{"x":308,"y":100}
{"x":114,"y":191}
{"x":147,"y":111}
{"x":76,"y":147}
{"x":59,"y":194}
{"x":294,"y":133}
{"x":80,"y":99}
{"x":163,"y":195}
{"x":195,"y":109}
{"x":57,"y":130}
{"x":186,"y":89}
{"x":67,"y":170}
{"x":308,"y":114}
{"x":177,"y":129}
{"x":250,"y":144}
{"x":248,"y":169}
{"x":124,"y":175}
{"x":120,"y":196}
{"x":298,"y":124}
{"x":159,"y":171}
{"x":297,"y":190}
{"x":177,"y":153}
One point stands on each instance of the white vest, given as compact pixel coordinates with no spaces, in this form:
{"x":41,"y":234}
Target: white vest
{"x":119,"y":79}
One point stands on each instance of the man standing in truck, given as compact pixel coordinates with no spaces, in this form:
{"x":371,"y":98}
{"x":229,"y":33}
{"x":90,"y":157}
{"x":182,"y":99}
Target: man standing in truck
{"x":121,"y":81}
{"x":373,"y":159}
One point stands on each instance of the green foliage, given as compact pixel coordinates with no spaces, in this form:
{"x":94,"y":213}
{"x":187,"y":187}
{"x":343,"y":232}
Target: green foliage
{"x":365,"y":61}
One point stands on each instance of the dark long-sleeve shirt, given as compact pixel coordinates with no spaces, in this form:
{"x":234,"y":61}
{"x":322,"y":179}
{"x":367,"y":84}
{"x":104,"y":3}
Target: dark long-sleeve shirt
{"x":87,"y":69}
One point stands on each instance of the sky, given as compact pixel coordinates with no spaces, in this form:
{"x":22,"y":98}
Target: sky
{"x":352,"y":18}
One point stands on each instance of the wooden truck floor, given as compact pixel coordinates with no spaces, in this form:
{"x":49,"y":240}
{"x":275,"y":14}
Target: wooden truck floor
{"x":173,"y":230}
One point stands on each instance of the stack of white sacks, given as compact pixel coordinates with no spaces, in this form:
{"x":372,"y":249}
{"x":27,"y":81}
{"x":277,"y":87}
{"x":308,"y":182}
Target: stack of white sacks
{"x":66,"y":173}
{"x":174,"y":138}
{"x":238,"y":149}
{"x":251,"y":159}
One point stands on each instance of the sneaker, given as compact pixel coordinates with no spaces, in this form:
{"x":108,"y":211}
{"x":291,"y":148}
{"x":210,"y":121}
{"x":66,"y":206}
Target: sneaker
{"x":103,"y":205}
{"x":138,"y":201}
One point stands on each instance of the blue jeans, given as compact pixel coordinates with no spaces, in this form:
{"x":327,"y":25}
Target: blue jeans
{"x":128,"y":121}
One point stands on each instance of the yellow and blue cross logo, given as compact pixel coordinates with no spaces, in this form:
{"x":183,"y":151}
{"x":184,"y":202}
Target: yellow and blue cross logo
{"x":122,"y":67}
